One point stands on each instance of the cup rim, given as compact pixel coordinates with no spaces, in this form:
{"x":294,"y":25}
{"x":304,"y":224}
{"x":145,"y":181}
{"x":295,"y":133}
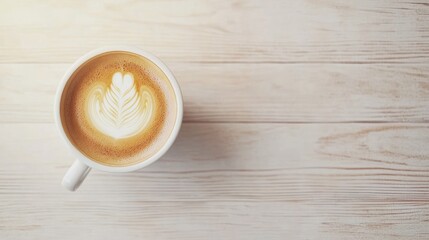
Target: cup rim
{"x":178,"y":121}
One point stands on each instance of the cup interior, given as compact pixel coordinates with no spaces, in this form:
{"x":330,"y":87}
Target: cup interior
{"x":95,"y":164}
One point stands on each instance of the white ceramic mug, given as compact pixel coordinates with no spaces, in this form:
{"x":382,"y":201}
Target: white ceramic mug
{"x":82,"y":165}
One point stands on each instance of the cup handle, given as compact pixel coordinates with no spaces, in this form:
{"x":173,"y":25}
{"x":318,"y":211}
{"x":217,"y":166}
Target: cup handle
{"x":75,"y":175}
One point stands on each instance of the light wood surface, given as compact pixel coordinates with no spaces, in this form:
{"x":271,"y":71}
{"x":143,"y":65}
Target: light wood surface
{"x":311,"y":31}
{"x":280,"y":93}
{"x":303,"y":120}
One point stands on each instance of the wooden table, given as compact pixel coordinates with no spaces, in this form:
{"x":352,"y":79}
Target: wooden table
{"x":303,"y":120}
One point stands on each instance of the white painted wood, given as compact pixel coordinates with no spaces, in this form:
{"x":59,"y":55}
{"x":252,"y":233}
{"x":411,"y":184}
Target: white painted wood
{"x":252,"y":92}
{"x":248,"y":181}
{"x":303,"y":120}
{"x":287,"y":31}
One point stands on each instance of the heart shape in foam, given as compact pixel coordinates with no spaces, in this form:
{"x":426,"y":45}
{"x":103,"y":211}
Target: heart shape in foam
{"x":120,"y":110}
{"x":123,"y":82}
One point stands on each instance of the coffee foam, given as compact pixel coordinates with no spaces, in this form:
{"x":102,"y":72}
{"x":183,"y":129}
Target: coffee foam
{"x":118,"y":109}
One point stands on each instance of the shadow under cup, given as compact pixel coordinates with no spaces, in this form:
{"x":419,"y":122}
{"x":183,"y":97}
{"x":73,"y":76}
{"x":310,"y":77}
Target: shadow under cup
{"x":120,"y":109}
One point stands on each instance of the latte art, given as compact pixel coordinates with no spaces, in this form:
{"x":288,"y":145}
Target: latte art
{"x":120,"y":110}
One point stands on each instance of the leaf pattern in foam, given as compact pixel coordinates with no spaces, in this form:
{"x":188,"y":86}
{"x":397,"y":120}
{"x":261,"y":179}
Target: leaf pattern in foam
{"x":120,"y":110}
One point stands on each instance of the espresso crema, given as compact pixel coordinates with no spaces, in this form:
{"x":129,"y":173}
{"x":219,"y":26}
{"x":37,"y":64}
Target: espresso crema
{"x":118,"y":108}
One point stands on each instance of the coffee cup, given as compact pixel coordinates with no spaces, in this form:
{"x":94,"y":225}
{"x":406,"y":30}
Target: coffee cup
{"x":117,"y":109}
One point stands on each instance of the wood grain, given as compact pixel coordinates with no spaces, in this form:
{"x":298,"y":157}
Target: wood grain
{"x":328,"y":31}
{"x":244,"y":180}
{"x":303,"y":120}
{"x":252,"y":92}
